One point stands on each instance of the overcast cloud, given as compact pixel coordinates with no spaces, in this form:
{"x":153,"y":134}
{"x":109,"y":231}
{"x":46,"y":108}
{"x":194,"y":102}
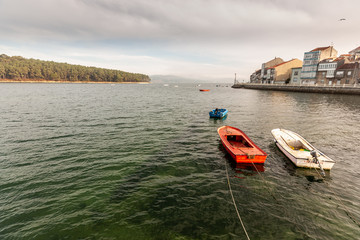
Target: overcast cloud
{"x":203,"y":39}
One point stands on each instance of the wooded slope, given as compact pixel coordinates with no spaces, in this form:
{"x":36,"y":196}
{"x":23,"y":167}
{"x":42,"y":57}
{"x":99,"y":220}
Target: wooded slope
{"x":19,"y":68}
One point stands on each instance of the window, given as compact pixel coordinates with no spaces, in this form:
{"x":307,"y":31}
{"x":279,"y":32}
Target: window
{"x":309,"y":69}
{"x":296,"y":73}
{"x":330,"y":73}
{"x":305,"y":75}
{"x":349,"y":73}
{"x":308,"y":56}
{"x":340,"y":73}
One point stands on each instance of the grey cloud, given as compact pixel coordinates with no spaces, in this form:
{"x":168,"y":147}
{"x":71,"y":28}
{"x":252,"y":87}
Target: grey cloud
{"x":138,"y":18}
{"x":217,"y":29}
{"x":196,"y":20}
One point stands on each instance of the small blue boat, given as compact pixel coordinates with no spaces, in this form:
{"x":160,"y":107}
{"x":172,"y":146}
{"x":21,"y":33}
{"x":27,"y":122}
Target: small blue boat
{"x":218,"y":113}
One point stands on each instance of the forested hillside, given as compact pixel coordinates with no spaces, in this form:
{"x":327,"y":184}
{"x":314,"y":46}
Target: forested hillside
{"x":19,"y":68}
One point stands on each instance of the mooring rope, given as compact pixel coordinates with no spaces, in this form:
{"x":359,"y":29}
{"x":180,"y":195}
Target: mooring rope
{"x":232,"y":196}
{"x":341,"y":202}
{"x":345,"y":208}
{"x":339,"y":199}
{"x":263,"y":179}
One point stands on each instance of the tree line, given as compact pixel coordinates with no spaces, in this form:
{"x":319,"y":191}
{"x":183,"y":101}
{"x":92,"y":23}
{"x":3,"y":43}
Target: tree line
{"x":19,"y":68}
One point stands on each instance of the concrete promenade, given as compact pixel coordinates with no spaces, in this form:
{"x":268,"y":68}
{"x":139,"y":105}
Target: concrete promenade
{"x":338,"y":89}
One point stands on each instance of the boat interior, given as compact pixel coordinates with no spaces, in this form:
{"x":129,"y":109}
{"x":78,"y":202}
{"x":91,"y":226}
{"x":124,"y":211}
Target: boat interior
{"x":238,"y":141}
{"x":295,"y":144}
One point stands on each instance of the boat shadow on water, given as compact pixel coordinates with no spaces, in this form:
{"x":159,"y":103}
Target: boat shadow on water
{"x":311,"y":174}
{"x":215,"y":120}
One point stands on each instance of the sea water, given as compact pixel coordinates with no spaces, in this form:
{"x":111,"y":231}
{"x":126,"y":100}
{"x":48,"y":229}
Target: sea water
{"x":130,"y":161}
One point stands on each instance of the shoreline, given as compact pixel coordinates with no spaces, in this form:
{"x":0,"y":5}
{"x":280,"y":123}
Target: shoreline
{"x":53,"y":81}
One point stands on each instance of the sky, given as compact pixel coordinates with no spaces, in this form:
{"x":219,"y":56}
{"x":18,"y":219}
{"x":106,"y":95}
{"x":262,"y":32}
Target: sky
{"x":200,"y":39}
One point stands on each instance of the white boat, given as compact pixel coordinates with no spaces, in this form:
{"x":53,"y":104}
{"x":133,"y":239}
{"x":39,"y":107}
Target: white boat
{"x":300,"y":151}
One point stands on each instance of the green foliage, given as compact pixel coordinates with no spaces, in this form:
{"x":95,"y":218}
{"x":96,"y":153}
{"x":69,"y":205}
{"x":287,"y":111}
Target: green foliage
{"x":19,"y":68}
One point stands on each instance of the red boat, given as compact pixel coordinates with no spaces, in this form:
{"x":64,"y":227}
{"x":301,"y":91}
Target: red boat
{"x":240,"y":146}
{"x":204,"y":90}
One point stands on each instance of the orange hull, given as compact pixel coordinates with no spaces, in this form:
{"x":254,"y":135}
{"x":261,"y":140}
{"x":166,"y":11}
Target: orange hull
{"x":204,"y":90}
{"x":240,"y":146}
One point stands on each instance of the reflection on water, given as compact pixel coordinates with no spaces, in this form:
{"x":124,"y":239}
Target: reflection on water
{"x":100,"y":161}
{"x":246,"y":169}
{"x":249,"y":167}
{"x":311,"y":175}
{"x":216,"y":120}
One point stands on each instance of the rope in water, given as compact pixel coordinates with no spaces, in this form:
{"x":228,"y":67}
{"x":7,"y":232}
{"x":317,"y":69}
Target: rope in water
{"x":339,"y":199}
{"x":232,"y":196}
{"x":263,"y":179}
{"x":341,"y":202}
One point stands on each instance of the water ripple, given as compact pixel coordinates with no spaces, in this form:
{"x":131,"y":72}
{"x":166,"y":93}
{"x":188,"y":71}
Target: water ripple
{"x":145,"y":162}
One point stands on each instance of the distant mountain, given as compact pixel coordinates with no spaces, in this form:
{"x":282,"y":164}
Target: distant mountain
{"x":174,"y":79}
{"x":178,"y":79}
{"x":21,"y":69}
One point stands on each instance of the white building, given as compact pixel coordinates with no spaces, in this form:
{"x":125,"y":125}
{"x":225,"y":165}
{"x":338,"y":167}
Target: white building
{"x":311,"y":60}
{"x":295,"y":75}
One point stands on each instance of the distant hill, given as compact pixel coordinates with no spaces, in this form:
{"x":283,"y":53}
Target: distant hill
{"x":178,"y":79}
{"x":174,"y":79}
{"x":22,"y":69}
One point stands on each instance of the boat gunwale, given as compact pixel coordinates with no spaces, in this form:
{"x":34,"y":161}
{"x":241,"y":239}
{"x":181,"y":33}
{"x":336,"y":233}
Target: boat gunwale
{"x":246,"y":138}
{"x":222,"y":112}
{"x":326,"y":158}
{"x":294,"y":160}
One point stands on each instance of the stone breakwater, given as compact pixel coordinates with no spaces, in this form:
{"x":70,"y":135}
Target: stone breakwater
{"x":341,"y":89}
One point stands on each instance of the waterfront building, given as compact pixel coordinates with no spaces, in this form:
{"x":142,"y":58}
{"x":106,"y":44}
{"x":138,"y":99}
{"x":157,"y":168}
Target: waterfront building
{"x":326,"y":70}
{"x":348,"y":73}
{"x":347,"y":57}
{"x":255,"y":77}
{"x":355,"y":54}
{"x":267,"y":65}
{"x":281,"y":73}
{"x":311,"y":60}
{"x":295,"y":75}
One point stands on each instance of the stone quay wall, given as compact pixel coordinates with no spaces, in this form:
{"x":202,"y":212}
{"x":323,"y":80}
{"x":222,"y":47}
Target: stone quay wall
{"x":341,"y":89}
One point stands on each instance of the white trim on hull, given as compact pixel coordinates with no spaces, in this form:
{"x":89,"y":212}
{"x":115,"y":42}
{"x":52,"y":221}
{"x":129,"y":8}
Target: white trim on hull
{"x":304,"y":163}
{"x":301,"y":158}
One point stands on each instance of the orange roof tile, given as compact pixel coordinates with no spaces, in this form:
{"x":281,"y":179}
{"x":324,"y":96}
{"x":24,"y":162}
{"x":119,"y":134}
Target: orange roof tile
{"x":346,"y":66}
{"x":281,"y":64}
{"x":338,"y":59}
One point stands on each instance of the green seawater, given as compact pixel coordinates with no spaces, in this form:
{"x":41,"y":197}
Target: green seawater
{"x":133,"y":161}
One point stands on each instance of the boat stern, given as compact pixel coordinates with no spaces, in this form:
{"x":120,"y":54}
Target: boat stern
{"x":248,"y":158}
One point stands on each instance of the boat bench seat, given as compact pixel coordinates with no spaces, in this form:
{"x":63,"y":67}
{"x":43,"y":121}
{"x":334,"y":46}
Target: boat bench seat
{"x":296,"y":144}
{"x":238,"y":141}
{"x":237,"y":144}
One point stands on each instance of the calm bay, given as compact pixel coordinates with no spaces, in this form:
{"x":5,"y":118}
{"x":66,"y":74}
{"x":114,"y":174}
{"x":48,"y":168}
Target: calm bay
{"x":144,"y":161}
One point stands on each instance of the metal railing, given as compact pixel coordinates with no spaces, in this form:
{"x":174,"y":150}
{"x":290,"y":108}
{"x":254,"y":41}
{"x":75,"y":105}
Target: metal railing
{"x":307,"y":85}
